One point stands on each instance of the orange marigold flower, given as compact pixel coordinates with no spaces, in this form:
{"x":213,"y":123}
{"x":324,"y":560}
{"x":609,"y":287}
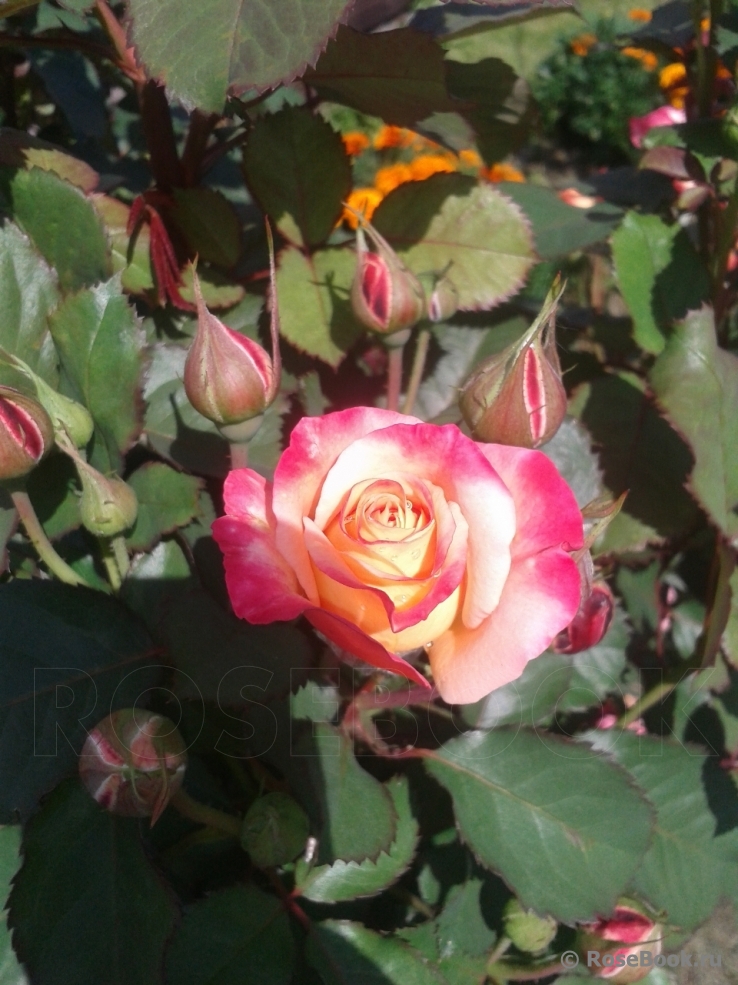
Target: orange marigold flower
{"x":364,"y":201}
{"x":678,"y":97}
{"x":503,"y":172}
{"x":675,"y":73}
{"x":387,"y":179}
{"x":427,"y":164}
{"x":392,"y":136}
{"x":581,"y":44}
{"x":646,"y":58}
{"x":723,"y":72}
{"x":640,"y":14}
{"x":355,"y":142}
{"x":470,"y":158}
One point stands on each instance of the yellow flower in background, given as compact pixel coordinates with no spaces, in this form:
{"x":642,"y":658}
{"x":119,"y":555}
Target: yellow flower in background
{"x":364,"y":201}
{"x":503,"y":172}
{"x":581,"y":44}
{"x":388,"y":178}
{"x":355,"y":142}
{"x":427,"y":164}
{"x":646,"y":58}
{"x":392,"y":136}
{"x":673,"y":74}
{"x":470,"y":158}
{"x":640,"y":14}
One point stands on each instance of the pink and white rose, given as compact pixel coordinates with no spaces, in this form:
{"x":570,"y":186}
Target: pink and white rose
{"x":389,"y":534}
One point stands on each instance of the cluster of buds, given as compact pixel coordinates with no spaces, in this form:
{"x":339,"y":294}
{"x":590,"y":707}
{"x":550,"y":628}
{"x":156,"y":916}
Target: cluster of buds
{"x":26,"y":433}
{"x":229,"y":378}
{"x":133,"y":762}
{"x":621,"y":947}
{"x":516,"y":397}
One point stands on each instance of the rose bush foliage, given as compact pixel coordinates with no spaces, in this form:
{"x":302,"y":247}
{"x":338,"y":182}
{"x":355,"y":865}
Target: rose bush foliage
{"x":391,"y":535}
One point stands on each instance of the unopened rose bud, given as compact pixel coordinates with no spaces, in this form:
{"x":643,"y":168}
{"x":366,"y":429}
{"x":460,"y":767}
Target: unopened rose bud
{"x":590,"y":623}
{"x":630,"y":933}
{"x":275,"y":830}
{"x":385,"y":295}
{"x":26,"y":433}
{"x":70,"y":419}
{"x":228,"y":378}
{"x":443,"y":301}
{"x":107,"y":505}
{"x":133,"y":762}
{"x":516,"y":397}
{"x":528,"y":931}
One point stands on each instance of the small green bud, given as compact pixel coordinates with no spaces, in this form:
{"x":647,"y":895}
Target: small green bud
{"x":528,"y":931}
{"x":107,"y":506}
{"x":275,"y":830}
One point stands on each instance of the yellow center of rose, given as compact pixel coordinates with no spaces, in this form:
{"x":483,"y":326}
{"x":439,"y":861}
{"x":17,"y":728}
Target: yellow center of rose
{"x":385,"y":534}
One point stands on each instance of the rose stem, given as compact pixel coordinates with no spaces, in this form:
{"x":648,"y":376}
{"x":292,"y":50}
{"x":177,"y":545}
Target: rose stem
{"x":210,"y":816}
{"x":120,"y":552}
{"x":32,"y":525}
{"x":239,"y":454}
{"x":394,"y":377}
{"x":416,"y":375}
{"x":111,"y":567}
{"x":646,"y":701}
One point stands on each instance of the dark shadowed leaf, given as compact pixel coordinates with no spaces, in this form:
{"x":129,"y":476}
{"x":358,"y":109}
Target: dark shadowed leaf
{"x":63,"y":225}
{"x":54,"y":490}
{"x":349,"y":880}
{"x":166,"y":500}
{"x":237,"y":935}
{"x":67,"y":657}
{"x":399,"y":75}
{"x":100,"y":343}
{"x":451,"y":221}
{"x":530,"y":806}
{"x":696,"y":383}
{"x":21,"y":150}
{"x":210,"y":225}
{"x":558,"y":229}
{"x":203,"y":51}
{"x":87,"y":906}
{"x":298,"y":171}
{"x":11,"y":972}
{"x":461,"y":924}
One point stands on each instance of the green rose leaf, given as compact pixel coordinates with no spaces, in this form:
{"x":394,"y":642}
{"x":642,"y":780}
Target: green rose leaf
{"x":660,"y":275}
{"x":349,"y":880}
{"x":210,"y":225}
{"x":65,"y":654}
{"x":478,"y":234}
{"x":532,"y":807}
{"x":21,"y":150}
{"x":54,"y":489}
{"x":461,"y":924}
{"x":8,"y":526}
{"x":558,"y":229}
{"x":100,"y":343}
{"x":166,"y":500}
{"x":399,"y":76}
{"x":28,"y":287}
{"x":346,"y":953}
{"x":11,"y":972}
{"x":204,"y":51}
{"x":61,"y":934}
{"x":686,"y":870}
{"x":62,"y":223}
{"x":314,"y":306}
{"x":297,"y":169}
{"x":131,"y":258}
{"x":239,"y":933}
{"x":696,"y":383}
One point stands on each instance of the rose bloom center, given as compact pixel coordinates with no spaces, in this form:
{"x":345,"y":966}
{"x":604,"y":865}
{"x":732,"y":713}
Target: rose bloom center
{"x":385,"y":536}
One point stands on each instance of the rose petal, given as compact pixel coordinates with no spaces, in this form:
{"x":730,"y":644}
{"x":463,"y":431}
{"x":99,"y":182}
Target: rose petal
{"x":261,"y":585}
{"x":541,"y":596}
{"x":533,"y":480}
{"x":447,"y":458}
{"x":315,"y":444}
{"x":351,"y":639}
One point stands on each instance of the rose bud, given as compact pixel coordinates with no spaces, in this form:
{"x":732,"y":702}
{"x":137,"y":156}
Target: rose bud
{"x":444,"y":300}
{"x":625,"y":944}
{"x":133,"y":762}
{"x":107,"y":505}
{"x":69,"y":419}
{"x":228,"y":378}
{"x":516,"y":397}
{"x":590,"y":623}
{"x":275,"y":830}
{"x":26,"y":433}
{"x":527,"y":931}
{"x":386,"y":296}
